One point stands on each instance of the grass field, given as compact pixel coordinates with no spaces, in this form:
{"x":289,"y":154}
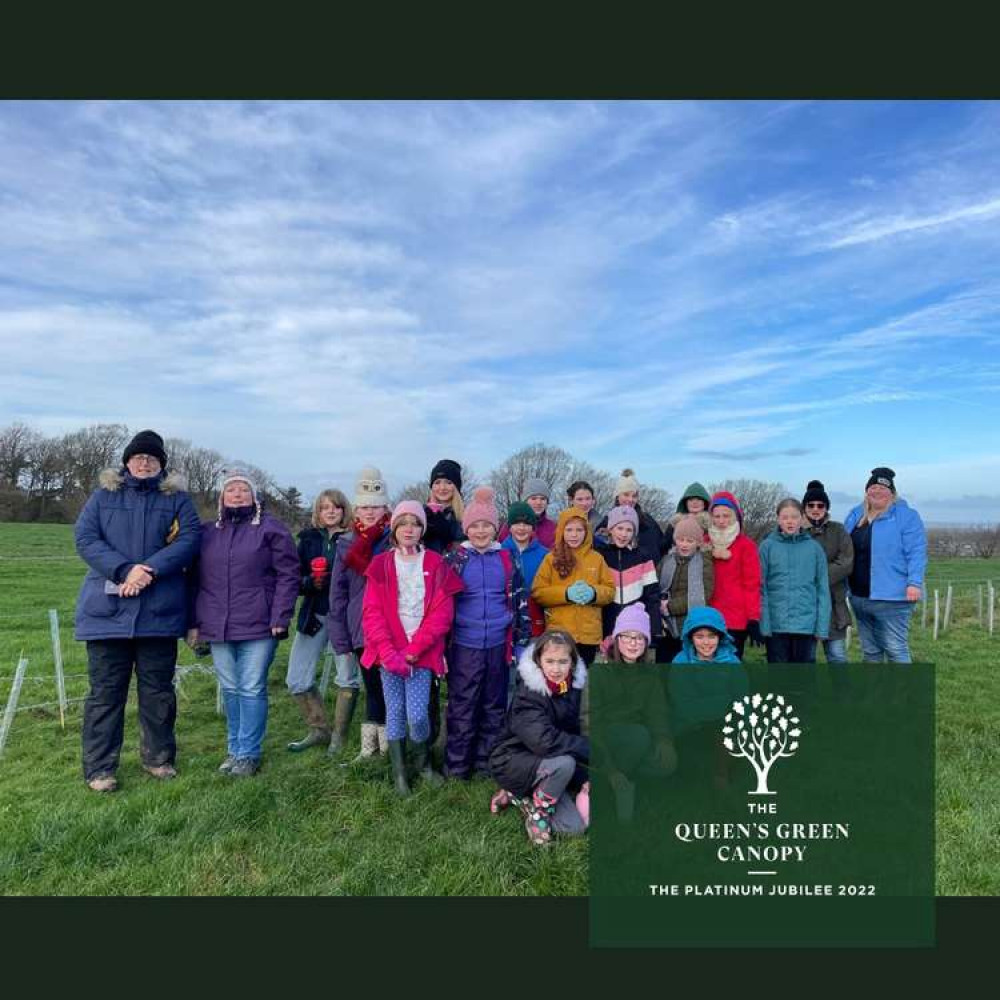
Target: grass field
{"x":309,"y":826}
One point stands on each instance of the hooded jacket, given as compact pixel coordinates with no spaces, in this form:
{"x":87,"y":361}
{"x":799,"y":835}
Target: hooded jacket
{"x":528,"y":561}
{"x":248,"y":578}
{"x":702,"y":691}
{"x":128,"y":521}
{"x":737,"y":579}
{"x":898,"y":550}
{"x":839,"y":549}
{"x":385,"y":638}
{"x":539,"y":724}
{"x":582,"y":621}
{"x":794,"y":589}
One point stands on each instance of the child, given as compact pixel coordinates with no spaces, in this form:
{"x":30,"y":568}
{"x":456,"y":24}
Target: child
{"x":580,"y":494}
{"x":795,"y":590}
{"x":632,"y":572}
{"x":687,"y":579}
{"x":444,"y":507}
{"x":406,"y":613}
{"x":650,"y":534}
{"x":574,"y":583}
{"x":736,"y":594}
{"x":528,"y":553}
{"x":539,"y":760}
{"x":536,"y":495}
{"x":635,"y":726}
{"x":694,"y":501}
{"x":491,"y":614}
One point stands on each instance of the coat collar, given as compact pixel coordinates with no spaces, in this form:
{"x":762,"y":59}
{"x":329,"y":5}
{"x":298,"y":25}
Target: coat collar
{"x":534,"y":679}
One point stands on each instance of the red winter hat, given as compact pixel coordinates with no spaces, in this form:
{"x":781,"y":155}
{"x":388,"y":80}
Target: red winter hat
{"x":724,"y":499}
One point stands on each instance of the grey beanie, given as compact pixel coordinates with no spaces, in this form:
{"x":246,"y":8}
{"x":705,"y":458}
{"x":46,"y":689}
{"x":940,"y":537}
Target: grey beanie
{"x":536,"y":487}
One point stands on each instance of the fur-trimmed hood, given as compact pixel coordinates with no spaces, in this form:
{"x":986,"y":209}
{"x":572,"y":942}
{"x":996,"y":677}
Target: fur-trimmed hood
{"x":113,"y":479}
{"x":533,"y":678}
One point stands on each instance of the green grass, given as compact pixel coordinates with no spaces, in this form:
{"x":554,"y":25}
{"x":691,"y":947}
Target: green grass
{"x":310,"y":826}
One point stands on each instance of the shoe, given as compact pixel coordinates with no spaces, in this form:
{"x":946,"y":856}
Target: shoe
{"x":347,"y":700}
{"x":314,"y":715}
{"x":103,"y":783}
{"x":500,"y":801}
{"x":424,"y":765}
{"x":397,"y":754}
{"x":244,"y":767}
{"x":369,"y":741}
{"x":538,"y":813}
{"x":227,"y":765}
{"x":162,"y":772}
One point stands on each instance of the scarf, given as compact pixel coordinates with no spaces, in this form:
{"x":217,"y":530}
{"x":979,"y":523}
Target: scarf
{"x":560,"y":687}
{"x":437,"y":507}
{"x":359,"y":555}
{"x":722,"y":538}
{"x":695,"y":585}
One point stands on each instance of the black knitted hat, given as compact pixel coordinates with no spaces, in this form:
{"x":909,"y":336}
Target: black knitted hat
{"x":447,"y":469}
{"x":816,"y":492}
{"x":145,"y":443}
{"x":883,"y":476}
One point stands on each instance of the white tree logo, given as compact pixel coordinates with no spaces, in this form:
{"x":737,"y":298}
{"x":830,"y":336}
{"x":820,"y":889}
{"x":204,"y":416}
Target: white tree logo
{"x":762,"y":729}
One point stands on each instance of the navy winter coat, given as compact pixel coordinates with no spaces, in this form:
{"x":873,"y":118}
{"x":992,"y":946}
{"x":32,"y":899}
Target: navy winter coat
{"x":248,"y":578}
{"x":128,"y":521}
{"x":314,"y":542}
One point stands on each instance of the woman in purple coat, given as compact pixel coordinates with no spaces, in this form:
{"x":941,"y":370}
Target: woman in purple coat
{"x":248,"y":580}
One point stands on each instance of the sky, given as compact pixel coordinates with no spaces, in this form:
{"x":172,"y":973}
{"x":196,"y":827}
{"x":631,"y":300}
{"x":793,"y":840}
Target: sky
{"x":697,"y":290}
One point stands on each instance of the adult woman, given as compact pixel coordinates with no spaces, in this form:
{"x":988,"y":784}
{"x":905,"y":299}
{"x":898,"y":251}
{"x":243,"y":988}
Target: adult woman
{"x":368,"y":538}
{"x":444,"y":507}
{"x":248,"y":579}
{"x":137,"y":533}
{"x":890,"y":557}
{"x":839,"y":550}
{"x":330,"y":518}
{"x":580,"y":494}
{"x":737,"y":571}
{"x":650,"y":535}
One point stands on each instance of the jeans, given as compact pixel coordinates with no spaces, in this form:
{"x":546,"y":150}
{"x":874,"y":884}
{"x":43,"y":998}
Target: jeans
{"x":883,"y":628}
{"x":305,"y":654}
{"x":835,"y":649}
{"x":241,"y":667}
{"x":110,"y":663}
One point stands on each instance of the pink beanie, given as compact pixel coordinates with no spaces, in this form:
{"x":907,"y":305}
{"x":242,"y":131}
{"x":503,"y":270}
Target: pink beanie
{"x":409,"y":507}
{"x":633,"y":618}
{"x":618,"y":515}
{"x":482,"y":508}
{"x":689,"y":528}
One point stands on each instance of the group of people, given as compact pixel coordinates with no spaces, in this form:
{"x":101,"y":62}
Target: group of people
{"x":512,"y":611}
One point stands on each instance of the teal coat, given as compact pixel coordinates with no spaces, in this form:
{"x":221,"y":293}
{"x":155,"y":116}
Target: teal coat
{"x":703,"y":691}
{"x":794,"y":585}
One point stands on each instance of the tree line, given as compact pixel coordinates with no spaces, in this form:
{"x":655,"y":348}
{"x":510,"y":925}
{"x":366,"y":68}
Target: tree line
{"x":48,"y":478}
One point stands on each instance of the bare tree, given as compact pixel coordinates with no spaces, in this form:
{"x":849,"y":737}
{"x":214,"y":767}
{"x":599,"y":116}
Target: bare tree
{"x":758,"y":499}
{"x":943,"y":543}
{"x":202,"y":467}
{"x":985,"y":540}
{"x":88,"y":451}
{"x":16,"y":443}
{"x":415,"y":491}
{"x":657,"y":502}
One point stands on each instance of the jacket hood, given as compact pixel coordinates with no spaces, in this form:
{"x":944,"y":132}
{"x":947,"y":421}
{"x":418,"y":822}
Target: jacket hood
{"x":731,"y":501}
{"x":565,"y":516}
{"x":694,"y":490}
{"x":493,"y":547}
{"x":779,"y":536}
{"x":706,"y":617}
{"x":114,"y":479}
{"x":534,"y":679}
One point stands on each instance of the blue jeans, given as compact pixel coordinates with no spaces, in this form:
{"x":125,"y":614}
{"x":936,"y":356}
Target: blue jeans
{"x":883,"y":628}
{"x":242,"y":667}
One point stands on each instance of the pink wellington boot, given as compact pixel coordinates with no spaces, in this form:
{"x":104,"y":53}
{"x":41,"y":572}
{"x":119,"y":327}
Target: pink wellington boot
{"x":583,"y":803}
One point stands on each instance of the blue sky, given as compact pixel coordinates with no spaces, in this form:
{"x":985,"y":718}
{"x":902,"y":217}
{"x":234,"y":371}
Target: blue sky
{"x":698,"y":290}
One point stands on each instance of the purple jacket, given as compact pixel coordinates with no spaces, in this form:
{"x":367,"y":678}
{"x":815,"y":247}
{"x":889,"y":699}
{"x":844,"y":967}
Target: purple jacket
{"x":248,"y":579}
{"x":482,"y":611}
{"x":347,"y":590}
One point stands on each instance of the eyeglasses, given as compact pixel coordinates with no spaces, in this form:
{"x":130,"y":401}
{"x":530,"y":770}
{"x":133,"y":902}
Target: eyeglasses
{"x":148,"y":459}
{"x":632,"y":636}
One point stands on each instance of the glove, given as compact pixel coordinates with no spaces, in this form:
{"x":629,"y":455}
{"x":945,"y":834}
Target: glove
{"x":396,"y":664}
{"x":753,"y":633}
{"x":580,"y":593}
{"x":318,"y":569}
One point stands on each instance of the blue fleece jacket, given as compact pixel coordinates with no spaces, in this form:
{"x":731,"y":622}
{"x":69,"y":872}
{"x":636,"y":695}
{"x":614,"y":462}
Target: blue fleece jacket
{"x":529,"y":560}
{"x":899,"y":550}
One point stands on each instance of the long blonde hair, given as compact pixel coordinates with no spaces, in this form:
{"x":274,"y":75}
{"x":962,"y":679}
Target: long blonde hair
{"x":338,"y":500}
{"x":869,"y":515}
{"x":457,"y":504}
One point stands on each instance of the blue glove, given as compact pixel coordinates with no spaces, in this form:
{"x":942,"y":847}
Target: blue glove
{"x":580,"y":593}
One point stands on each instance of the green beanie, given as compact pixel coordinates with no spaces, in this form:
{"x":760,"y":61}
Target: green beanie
{"x":520,"y":513}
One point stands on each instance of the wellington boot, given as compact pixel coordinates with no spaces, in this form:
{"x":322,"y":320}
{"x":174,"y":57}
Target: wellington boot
{"x":397,"y":754}
{"x":383,"y":740}
{"x":424,"y":765}
{"x":314,"y":714}
{"x":369,"y":742}
{"x":347,"y":700}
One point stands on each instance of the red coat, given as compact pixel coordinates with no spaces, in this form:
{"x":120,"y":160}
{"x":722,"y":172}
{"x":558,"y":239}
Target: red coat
{"x":737,"y":584}
{"x":385,"y":638}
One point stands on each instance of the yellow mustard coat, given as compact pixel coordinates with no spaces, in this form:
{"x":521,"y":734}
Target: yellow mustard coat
{"x":582,"y":621}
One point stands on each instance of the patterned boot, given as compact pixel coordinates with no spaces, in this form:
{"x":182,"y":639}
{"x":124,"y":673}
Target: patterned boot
{"x":369,"y":742}
{"x":538,"y":812}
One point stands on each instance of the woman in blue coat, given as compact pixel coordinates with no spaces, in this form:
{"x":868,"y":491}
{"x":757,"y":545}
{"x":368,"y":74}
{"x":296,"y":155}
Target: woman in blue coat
{"x":890,"y":557}
{"x":137,"y":534}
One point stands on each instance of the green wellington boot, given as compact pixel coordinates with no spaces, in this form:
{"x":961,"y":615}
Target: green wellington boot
{"x":314,"y":715}
{"x":397,"y":754}
{"x":347,"y":700}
